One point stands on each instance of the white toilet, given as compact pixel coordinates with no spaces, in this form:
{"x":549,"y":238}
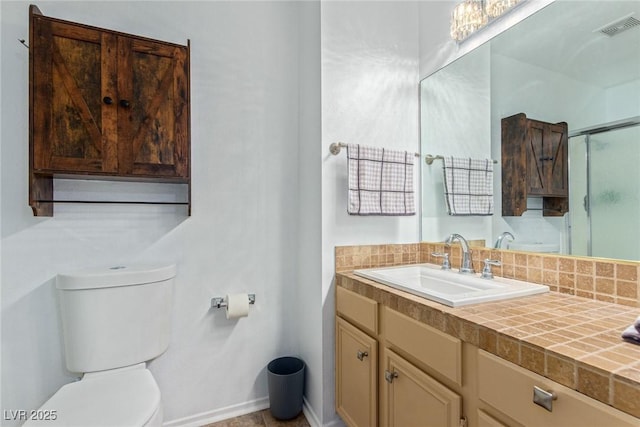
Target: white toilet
{"x":114,"y":320}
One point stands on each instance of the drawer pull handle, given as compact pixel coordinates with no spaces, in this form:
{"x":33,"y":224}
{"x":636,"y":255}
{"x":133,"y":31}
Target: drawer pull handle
{"x":544,"y":398}
{"x":362,"y":355}
{"x":389,"y":376}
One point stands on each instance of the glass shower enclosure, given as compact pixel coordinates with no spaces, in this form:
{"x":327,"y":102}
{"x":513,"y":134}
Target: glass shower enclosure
{"x":604,"y":176}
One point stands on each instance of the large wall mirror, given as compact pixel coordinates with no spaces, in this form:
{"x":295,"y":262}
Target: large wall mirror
{"x":555,"y":66}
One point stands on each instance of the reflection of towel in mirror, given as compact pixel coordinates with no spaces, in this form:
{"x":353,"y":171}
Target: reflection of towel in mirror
{"x":380,"y":181}
{"x":468,"y":186}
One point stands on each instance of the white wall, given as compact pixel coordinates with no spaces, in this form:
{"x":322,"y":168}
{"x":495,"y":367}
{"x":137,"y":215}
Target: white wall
{"x":369,"y":96}
{"x":461,"y":100}
{"x":250,"y":124}
{"x":309,"y":281}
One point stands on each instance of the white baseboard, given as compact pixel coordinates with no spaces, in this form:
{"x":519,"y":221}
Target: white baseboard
{"x":309,"y":414}
{"x":220,"y":414}
{"x":232,"y":411}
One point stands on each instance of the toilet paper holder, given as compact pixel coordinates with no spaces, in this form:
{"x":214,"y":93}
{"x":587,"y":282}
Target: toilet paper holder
{"x":221,"y":302}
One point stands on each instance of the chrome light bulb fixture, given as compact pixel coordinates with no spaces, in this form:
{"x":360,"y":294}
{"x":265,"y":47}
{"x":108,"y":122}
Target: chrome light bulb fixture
{"x":496,"y":8}
{"x":466,"y":18}
{"x":471,"y":15}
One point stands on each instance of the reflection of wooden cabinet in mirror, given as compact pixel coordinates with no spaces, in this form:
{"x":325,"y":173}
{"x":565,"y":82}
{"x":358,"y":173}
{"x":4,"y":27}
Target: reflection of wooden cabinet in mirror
{"x":534,"y":164}
{"x":105,"y":104}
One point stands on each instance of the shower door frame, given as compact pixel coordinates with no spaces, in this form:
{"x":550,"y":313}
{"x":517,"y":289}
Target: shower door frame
{"x":587,"y":133}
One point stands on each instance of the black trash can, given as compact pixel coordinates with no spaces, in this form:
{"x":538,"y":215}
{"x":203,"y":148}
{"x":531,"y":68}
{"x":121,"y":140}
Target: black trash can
{"x":285,"y":376}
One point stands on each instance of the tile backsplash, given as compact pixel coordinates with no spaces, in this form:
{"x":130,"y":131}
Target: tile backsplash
{"x":600,"y":279}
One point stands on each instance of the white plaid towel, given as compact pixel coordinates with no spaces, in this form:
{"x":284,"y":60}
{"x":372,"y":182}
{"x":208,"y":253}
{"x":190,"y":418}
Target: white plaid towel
{"x":380,"y":181}
{"x":468,"y":186}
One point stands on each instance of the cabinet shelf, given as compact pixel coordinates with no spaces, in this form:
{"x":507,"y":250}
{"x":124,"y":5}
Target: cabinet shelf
{"x":113,"y":202}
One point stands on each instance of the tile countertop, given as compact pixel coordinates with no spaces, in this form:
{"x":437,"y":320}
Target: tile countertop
{"x":572,"y":340}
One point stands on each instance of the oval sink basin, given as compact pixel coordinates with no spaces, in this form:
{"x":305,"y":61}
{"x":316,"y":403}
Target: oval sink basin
{"x":448,"y":286}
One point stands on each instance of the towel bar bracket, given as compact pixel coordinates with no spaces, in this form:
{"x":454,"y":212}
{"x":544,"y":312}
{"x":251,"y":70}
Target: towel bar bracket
{"x":335,"y":148}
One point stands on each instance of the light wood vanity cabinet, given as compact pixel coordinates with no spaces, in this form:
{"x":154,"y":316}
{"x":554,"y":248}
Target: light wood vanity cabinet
{"x":356,"y":359}
{"x":413,"y":398}
{"x":508,"y":389}
{"x":356,"y":375}
{"x":391,"y":385}
{"x":392,"y":370}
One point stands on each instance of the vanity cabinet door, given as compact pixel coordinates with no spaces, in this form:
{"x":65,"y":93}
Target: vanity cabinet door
{"x":356,"y":376}
{"x":413,"y":398}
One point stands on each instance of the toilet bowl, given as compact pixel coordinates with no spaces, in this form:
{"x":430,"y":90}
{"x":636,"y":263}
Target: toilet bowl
{"x":120,"y":397}
{"x":114,"y":320}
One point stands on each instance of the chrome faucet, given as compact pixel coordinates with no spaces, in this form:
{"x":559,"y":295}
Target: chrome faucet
{"x":498,"y":244}
{"x":467,"y":262}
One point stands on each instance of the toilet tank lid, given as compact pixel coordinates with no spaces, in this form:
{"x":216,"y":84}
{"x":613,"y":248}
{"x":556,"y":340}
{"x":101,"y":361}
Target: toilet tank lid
{"x":118,"y":275}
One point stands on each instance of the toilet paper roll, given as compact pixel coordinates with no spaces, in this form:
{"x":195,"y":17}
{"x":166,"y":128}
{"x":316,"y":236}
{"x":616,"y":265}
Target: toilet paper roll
{"x":237,"y":306}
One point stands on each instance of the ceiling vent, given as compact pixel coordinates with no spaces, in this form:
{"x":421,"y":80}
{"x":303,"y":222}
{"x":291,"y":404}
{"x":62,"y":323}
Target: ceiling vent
{"x":619,"y":26}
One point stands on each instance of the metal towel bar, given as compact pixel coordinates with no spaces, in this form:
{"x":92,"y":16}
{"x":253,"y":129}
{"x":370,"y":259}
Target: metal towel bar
{"x":430,"y":158}
{"x":335,"y":148}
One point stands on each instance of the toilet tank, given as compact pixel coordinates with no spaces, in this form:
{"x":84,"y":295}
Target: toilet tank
{"x":115,"y":316}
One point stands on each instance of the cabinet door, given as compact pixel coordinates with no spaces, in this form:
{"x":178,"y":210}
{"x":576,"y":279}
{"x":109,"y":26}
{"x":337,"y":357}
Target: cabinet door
{"x":413,"y":398}
{"x":73,"y":123}
{"x":547,"y":159}
{"x":356,"y":379}
{"x":153,"y":116}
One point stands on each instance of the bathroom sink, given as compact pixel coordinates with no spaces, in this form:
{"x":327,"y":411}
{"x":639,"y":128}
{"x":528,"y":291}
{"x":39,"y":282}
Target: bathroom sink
{"x":448,"y":286}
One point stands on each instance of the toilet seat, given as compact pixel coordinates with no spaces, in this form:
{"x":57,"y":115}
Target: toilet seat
{"x":124,"y":397}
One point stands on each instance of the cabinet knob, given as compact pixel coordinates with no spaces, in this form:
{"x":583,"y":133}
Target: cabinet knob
{"x":107,"y":100}
{"x":124,"y":103}
{"x":544,"y":398}
{"x":362,"y":354}
{"x":389,"y":376}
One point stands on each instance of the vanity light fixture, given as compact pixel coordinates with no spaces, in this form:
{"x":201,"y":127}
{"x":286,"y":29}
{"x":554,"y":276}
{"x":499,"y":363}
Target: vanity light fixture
{"x":466,"y":18}
{"x":496,"y":8}
{"x":471,"y":15}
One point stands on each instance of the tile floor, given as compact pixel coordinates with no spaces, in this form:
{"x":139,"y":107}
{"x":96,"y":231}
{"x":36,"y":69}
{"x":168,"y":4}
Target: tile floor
{"x":261,"y":419}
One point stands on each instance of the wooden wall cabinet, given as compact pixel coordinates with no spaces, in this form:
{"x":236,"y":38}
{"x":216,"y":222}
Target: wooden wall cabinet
{"x":104,"y":104}
{"x":534,"y":164}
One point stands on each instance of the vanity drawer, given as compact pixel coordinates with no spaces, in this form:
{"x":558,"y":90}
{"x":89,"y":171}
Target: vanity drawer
{"x":437,"y":350}
{"x":359,"y":310}
{"x":509,"y":389}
